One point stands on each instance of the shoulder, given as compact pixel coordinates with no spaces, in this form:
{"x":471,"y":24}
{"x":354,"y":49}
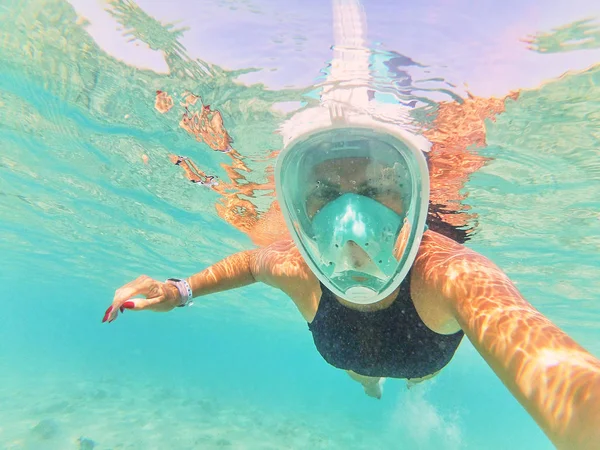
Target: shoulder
{"x":442,"y":273}
{"x":446,"y":273}
{"x":281,"y":266}
{"x":441,"y":256}
{"x":280,"y":259}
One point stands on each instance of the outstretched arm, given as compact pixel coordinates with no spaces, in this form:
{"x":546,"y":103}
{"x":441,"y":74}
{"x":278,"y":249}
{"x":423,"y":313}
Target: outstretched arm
{"x":279,"y":265}
{"x":553,"y":377}
{"x":232,"y":272}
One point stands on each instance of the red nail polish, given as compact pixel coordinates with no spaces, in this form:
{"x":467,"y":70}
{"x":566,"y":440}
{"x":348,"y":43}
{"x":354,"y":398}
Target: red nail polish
{"x":129,"y":305}
{"x":107,"y":313}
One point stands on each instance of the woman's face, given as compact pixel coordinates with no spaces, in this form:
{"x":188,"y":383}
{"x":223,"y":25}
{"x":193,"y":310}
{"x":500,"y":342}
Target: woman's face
{"x":361,"y":176}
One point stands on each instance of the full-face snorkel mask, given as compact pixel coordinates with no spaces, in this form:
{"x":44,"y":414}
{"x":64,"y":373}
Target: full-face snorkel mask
{"x":355,"y":202}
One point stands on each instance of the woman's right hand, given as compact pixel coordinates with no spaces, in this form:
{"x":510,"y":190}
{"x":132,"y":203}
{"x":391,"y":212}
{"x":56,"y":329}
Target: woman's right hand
{"x":157,"y":296}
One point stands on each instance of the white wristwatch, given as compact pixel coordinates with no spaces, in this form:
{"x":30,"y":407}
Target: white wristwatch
{"x":185,"y":291}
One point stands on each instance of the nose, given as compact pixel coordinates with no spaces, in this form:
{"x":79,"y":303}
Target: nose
{"x":353,"y":257}
{"x":358,"y":256}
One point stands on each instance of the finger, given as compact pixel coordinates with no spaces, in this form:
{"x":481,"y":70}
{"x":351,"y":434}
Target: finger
{"x":139,"y":304}
{"x":111,"y":313}
{"x":136,"y":304}
{"x":140,"y":286}
{"x":107,"y":314}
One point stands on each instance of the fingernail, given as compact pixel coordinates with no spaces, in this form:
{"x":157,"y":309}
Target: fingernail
{"x":129,"y":305}
{"x":122,"y":309}
{"x":107,"y":313}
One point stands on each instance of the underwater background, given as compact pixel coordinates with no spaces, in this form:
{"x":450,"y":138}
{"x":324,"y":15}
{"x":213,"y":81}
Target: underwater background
{"x":97,"y":100}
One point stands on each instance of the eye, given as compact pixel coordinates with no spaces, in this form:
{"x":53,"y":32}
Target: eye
{"x":325,"y":193}
{"x":387,"y":192}
{"x":370,"y":191}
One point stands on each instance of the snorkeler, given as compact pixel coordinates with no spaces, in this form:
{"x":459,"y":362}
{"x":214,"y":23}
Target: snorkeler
{"x":383,"y":296}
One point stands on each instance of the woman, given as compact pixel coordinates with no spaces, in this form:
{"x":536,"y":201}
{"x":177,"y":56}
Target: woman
{"x":383,"y":296}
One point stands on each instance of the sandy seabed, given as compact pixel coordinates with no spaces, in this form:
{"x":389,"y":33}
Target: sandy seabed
{"x":61,"y":414}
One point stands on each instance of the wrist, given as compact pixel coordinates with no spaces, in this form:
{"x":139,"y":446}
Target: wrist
{"x":172,"y":293}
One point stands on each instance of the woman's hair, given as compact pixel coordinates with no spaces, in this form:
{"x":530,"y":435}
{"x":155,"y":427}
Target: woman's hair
{"x":435,"y":219}
{"x":436,"y":223}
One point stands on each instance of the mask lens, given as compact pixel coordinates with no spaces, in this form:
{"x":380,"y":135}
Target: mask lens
{"x":348,"y":195}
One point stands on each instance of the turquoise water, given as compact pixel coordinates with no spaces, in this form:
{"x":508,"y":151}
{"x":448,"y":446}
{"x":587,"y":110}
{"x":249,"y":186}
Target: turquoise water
{"x":82,"y":213}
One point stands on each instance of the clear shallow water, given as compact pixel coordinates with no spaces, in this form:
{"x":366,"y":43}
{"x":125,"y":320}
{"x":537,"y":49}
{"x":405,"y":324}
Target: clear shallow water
{"x":82,"y":213}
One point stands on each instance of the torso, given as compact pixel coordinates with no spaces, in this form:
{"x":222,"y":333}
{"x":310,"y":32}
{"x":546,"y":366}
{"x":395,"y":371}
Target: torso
{"x":283,"y":267}
{"x":280,"y":265}
{"x":389,"y":341}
